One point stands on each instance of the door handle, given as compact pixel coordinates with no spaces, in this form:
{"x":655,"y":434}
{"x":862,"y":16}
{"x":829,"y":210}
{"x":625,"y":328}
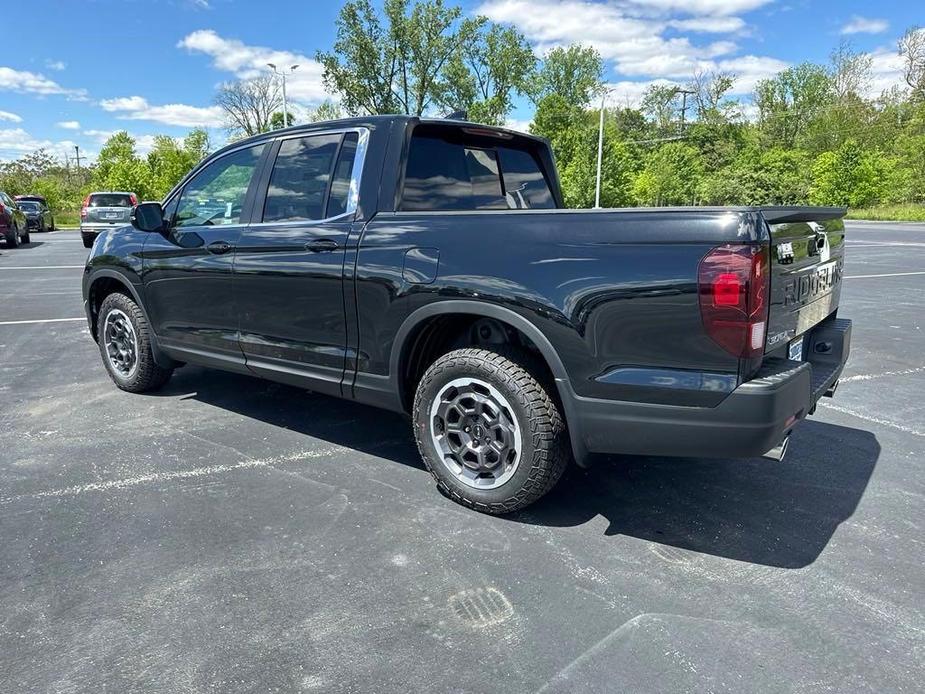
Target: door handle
{"x":321,"y":246}
{"x":219,"y":247}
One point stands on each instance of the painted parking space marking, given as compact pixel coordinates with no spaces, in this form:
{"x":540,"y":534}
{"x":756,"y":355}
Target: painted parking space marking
{"x":44,"y":320}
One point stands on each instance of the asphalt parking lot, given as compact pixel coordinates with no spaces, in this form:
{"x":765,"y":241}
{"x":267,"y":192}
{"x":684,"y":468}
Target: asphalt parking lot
{"x":230,"y":534}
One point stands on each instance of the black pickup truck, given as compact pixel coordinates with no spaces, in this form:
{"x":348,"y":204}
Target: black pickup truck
{"x":427,"y":266}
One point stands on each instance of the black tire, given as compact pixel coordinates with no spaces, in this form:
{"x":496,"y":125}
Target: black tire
{"x":12,"y":237}
{"x":147,"y":375}
{"x":88,"y":240}
{"x":25,"y":237}
{"x":42,"y":226}
{"x":544,"y":437}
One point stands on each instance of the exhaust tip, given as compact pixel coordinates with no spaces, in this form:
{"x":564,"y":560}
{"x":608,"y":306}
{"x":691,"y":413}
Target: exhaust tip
{"x":779,"y":451}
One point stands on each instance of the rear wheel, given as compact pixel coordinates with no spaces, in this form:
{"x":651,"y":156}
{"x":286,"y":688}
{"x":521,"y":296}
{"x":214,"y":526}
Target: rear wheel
{"x":125,"y":345}
{"x":489,"y":431}
{"x":11,"y":237}
{"x":25,"y":237}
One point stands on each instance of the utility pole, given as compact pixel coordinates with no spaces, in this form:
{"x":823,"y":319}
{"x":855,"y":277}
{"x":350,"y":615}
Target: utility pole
{"x":77,"y":155}
{"x":282,"y":74}
{"x":684,"y":93}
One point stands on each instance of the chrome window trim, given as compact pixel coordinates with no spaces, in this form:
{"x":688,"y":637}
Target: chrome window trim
{"x":356,"y":176}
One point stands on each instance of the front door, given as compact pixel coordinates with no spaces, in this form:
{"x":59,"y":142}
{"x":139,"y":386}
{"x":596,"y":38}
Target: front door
{"x":289,"y":264}
{"x":188,"y":270}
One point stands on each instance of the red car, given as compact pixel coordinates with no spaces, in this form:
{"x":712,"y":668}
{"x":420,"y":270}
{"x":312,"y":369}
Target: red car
{"x":13,"y":226}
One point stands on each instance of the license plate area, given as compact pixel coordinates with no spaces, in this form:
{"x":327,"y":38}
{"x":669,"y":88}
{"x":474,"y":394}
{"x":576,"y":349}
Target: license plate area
{"x":795,"y":350}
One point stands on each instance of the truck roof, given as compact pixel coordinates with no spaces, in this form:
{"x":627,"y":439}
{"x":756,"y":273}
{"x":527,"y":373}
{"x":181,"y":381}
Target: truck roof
{"x":372,"y":122}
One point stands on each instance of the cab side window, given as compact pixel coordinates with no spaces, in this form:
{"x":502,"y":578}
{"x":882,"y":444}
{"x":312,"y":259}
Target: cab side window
{"x":216,"y":194}
{"x":301,"y":179}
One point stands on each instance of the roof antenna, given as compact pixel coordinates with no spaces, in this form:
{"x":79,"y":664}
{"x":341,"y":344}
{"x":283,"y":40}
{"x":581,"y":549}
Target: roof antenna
{"x":461,"y":114}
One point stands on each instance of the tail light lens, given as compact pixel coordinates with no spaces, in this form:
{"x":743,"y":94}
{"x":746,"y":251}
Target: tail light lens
{"x":132,"y":199}
{"x":733,"y":286}
{"x":83,"y":207}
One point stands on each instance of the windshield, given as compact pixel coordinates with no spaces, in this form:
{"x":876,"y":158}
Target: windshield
{"x":29,"y":206}
{"x":110,"y":200}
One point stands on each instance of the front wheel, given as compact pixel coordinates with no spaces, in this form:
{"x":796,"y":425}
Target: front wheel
{"x":26,"y":238}
{"x":489,"y":432}
{"x":124,"y":338}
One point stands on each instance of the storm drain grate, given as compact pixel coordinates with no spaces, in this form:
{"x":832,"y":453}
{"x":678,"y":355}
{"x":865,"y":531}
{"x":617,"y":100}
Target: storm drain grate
{"x":481,"y":606}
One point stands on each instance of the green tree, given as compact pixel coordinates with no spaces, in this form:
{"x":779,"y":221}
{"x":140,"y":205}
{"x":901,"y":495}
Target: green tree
{"x":788,"y":103}
{"x":575,"y":73}
{"x":393,"y":63}
{"x":848,"y":176}
{"x":671,"y":176}
{"x":487,"y":72}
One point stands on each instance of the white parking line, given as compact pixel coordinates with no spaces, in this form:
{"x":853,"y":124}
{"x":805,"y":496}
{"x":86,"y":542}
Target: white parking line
{"x":885,"y":374}
{"x":886,"y":274}
{"x":46,"y":320}
{"x":159,"y":477}
{"x":874,"y":420}
{"x":42,"y":267}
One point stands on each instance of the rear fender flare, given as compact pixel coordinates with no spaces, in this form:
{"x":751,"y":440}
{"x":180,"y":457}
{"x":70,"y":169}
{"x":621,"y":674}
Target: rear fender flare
{"x":505,"y":315}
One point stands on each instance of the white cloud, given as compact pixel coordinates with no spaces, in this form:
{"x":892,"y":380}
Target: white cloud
{"x":886,"y":71}
{"x":633,"y":35}
{"x":182,"y":115}
{"x":865,"y":25}
{"x":521,"y":126}
{"x":627,"y":93}
{"x":34,"y":83}
{"x":709,"y":25}
{"x":143,"y":143}
{"x":246,"y":62}
{"x":69,"y":124}
{"x":10,"y":116}
{"x":14,"y":142}
{"x":56,"y":65}
{"x":716,"y":8}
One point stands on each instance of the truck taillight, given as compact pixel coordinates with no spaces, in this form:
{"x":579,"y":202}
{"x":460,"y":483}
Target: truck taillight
{"x":733,"y":287}
{"x":132,"y":199}
{"x":83,"y":207}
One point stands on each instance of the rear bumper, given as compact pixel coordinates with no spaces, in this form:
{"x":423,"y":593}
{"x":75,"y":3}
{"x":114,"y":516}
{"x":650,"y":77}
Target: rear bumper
{"x":748,"y":422}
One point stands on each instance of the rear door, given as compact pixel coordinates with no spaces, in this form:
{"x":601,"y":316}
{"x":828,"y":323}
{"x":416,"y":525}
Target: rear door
{"x":109,"y":208}
{"x":288,"y":272}
{"x":807,"y":257}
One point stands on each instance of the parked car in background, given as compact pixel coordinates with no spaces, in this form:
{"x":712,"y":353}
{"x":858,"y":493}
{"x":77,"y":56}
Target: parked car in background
{"x":428,"y":267}
{"x":38,"y":217}
{"x":13,"y":226}
{"x":101,"y":211}
{"x":46,"y":213}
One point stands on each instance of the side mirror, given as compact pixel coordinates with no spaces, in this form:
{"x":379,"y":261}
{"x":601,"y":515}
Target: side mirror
{"x":148,"y":216}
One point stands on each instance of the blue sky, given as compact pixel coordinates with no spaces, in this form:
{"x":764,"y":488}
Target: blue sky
{"x":74,"y":71}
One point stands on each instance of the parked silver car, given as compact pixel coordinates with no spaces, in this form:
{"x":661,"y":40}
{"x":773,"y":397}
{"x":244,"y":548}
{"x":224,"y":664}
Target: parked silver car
{"x":101,"y":211}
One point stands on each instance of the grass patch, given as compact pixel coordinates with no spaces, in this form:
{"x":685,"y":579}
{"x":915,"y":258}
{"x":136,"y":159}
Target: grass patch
{"x":890,"y":213}
{"x":67,"y":218}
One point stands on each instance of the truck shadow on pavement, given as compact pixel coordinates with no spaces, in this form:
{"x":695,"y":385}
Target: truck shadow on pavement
{"x":755,"y":510}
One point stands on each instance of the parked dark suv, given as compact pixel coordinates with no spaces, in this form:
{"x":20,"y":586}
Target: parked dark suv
{"x":38,"y":212}
{"x":13,"y":226}
{"x":101,"y":211}
{"x":428,"y":267}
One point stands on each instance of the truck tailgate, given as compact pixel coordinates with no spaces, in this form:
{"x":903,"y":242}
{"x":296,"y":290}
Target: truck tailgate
{"x":807,"y":256}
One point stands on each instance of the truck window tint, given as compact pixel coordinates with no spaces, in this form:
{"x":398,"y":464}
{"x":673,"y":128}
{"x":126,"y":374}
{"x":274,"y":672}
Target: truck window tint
{"x":524,"y":183}
{"x":444,"y":175}
{"x":340,"y":185}
{"x":300,"y":178}
{"x":215,"y":195}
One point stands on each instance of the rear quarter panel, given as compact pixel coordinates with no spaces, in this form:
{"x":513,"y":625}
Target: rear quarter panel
{"x":615,"y":292}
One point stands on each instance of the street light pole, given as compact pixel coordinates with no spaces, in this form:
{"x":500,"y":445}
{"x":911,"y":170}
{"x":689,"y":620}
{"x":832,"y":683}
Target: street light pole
{"x":282,"y":74}
{"x":600,"y":151}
